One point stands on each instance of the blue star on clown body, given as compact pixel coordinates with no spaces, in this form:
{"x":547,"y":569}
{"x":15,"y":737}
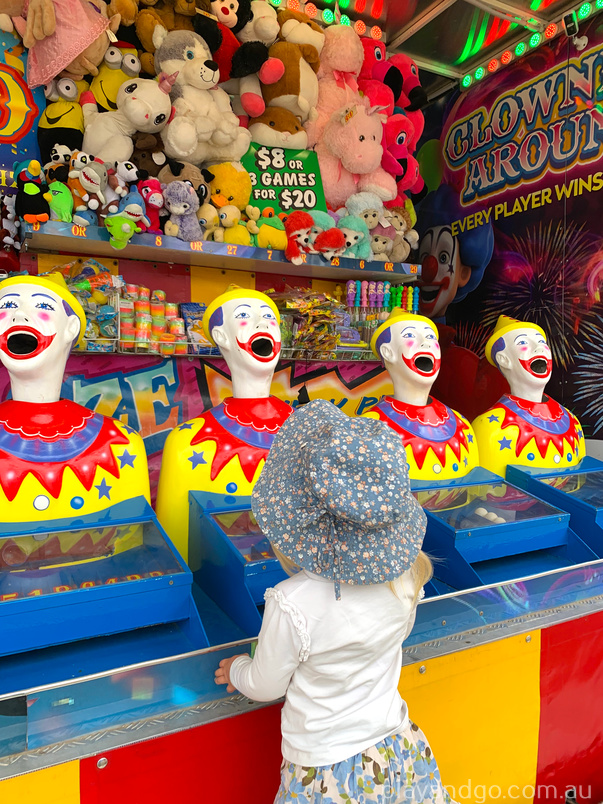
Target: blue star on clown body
{"x":469,"y":438}
{"x":129,"y":429}
{"x":492,"y":418}
{"x":125,"y":459}
{"x":196,"y":459}
{"x":186,"y":426}
{"x":505,"y":443}
{"x":466,"y":460}
{"x":103,"y":489}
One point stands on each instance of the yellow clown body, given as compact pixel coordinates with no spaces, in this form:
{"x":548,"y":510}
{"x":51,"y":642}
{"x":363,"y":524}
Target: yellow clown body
{"x":544,"y":435}
{"x":440,"y":444}
{"x":58,"y":460}
{"x":224,"y":450}
{"x":525,"y":427}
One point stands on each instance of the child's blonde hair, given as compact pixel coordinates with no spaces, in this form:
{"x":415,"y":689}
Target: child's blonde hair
{"x":421,"y":572}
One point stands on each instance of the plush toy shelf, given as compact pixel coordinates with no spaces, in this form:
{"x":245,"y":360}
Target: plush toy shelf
{"x":94,"y":240}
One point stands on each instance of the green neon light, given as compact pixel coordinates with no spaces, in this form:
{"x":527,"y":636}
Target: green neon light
{"x":520,"y":49}
{"x":467,"y":81}
{"x":470,"y":37}
{"x":599,"y":4}
{"x":345,"y":20}
{"x":344,"y":3}
{"x":584,"y":10}
{"x":481,"y":35}
{"x":479,"y":73}
{"x":328,"y":16}
{"x":535,"y":40}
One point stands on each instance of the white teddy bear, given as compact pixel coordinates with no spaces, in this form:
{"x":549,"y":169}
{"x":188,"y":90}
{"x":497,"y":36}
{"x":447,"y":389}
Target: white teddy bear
{"x":204,"y":127}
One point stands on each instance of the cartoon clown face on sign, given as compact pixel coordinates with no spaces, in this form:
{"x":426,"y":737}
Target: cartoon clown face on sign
{"x":439,"y":443}
{"x":453,"y":256}
{"x":224,"y":450}
{"x":526,"y":427}
{"x":58,"y":459}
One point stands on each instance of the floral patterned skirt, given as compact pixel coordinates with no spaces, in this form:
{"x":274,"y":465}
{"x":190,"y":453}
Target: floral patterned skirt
{"x":400,"y":769}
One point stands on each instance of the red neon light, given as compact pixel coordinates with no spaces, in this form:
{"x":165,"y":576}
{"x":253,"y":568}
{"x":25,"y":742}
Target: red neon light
{"x":359,"y":6}
{"x":506,"y":57}
{"x":493,"y":66}
{"x":311,"y":10}
{"x":360,"y":27}
{"x":550,"y":30}
{"x":377,"y":9}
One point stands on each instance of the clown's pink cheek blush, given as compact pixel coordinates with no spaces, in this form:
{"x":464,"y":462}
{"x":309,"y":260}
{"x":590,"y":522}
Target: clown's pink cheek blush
{"x":43,"y":316}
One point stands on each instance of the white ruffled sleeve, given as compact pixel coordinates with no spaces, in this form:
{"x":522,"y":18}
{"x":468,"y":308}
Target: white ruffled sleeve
{"x":283,"y":643}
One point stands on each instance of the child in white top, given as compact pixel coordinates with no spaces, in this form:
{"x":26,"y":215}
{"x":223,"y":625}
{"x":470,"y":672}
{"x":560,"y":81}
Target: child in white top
{"x":335,"y":502}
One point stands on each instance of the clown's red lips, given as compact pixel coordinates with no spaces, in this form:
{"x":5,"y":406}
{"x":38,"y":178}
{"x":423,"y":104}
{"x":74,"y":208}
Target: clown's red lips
{"x":261,"y":346}
{"x":424,"y":363}
{"x":539,"y":366}
{"x":23,"y":342}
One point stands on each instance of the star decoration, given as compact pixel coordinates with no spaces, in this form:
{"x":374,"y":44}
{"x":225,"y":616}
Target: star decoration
{"x":103,"y":489}
{"x":470,"y":438}
{"x":505,"y":443}
{"x":196,"y":459}
{"x":128,"y":429}
{"x":125,"y":459}
{"x":492,"y":418}
{"x":186,"y":426}
{"x":466,"y":461}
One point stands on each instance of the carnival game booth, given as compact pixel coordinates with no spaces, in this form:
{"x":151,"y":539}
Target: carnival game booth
{"x":478,"y":201}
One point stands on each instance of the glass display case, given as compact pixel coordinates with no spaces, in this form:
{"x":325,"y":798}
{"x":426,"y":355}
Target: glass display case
{"x":482,"y":530}
{"x":578,"y":491}
{"x":231,"y":559}
{"x":88,"y":578}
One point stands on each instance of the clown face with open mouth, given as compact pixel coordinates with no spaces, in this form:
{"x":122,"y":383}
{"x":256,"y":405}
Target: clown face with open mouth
{"x":37,"y":330}
{"x":525,"y":360}
{"x":413,"y":358}
{"x":442,"y":272}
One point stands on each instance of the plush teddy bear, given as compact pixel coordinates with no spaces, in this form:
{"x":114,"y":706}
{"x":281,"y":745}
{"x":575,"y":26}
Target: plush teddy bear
{"x":241,"y":64}
{"x":204,"y":127}
{"x":349,"y":154}
{"x":406,"y":238}
{"x":340,"y":63}
{"x":142,"y":105}
{"x":148,"y":154}
{"x":182,"y":203}
{"x":357,"y":237}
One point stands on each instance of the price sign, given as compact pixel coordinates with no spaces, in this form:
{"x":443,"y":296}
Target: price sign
{"x":284,"y":180}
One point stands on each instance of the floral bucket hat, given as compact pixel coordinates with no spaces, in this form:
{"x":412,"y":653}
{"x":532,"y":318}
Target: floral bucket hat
{"x":334,"y":497}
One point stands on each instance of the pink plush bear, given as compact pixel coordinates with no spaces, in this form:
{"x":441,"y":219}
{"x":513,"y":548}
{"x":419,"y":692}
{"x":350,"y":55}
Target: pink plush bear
{"x":350,"y":153}
{"x":340,"y":63}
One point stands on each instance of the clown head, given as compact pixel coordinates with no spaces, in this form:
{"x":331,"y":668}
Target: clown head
{"x":452,"y":265}
{"x":40,"y":321}
{"x":245,"y":326}
{"x":408,"y":345}
{"x":523,"y":356}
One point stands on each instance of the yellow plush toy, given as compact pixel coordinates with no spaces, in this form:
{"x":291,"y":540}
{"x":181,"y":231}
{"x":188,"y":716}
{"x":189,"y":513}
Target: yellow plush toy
{"x":234,"y":230}
{"x":231,"y":185}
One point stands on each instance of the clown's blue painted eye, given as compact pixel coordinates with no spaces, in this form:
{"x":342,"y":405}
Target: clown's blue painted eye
{"x":44,"y":306}
{"x":8,"y":304}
